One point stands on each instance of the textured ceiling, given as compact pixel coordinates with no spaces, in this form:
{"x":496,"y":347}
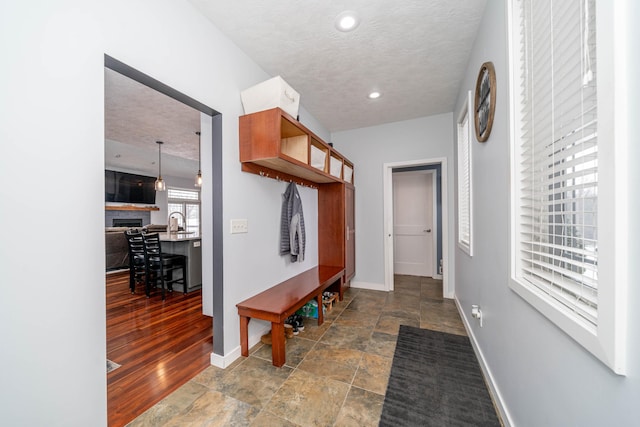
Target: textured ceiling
{"x":137,"y":116}
{"x":414,"y":52}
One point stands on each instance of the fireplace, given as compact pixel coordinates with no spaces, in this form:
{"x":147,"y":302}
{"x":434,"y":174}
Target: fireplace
{"x":127,"y":222}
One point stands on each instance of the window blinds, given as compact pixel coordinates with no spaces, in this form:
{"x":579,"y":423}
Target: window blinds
{"x":181,"y":194}
{"x":464,"y":183}
{"x":557,"y":239}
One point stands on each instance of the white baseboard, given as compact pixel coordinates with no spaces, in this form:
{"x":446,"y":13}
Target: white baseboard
{"x":368,"y":285}
{"x":226,"y":360}
{"x":222,"y":361}
{"x":495,"y":392}
{"x":437,"y":276}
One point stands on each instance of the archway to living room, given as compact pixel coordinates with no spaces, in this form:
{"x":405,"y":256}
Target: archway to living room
{"x":155,"y":345}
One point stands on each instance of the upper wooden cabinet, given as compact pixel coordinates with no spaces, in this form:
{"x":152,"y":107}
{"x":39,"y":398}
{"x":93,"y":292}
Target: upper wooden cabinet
{"x":273,"y":142}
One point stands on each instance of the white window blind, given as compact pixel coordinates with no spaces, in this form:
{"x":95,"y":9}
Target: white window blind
{"x":464,"y":179}
{"x":556,"y":241}
{"x":180,"y":194}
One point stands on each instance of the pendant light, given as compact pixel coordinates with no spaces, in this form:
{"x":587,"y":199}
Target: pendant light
{"x":199,"y":174}
{"x":160,"y":186}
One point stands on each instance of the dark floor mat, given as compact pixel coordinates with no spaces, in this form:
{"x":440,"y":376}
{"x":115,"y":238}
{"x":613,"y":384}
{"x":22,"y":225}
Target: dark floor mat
{"x":436,"y":381}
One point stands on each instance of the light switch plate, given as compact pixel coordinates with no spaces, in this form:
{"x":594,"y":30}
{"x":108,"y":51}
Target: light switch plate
{"x":239,"y":226}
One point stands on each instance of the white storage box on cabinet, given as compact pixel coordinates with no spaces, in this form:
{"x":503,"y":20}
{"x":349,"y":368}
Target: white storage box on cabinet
{"x":318,"y":158}
{"x":270,"y":94}
{"x":347,"y":174}
{"x":335,"y":167}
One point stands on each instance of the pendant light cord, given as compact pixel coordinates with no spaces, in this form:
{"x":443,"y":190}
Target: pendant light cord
{"x":199,"y":154}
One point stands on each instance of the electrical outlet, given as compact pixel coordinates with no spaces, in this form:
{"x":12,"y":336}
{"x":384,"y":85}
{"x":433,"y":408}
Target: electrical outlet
{"x":239,"y":226}
{"x":476,"y":313}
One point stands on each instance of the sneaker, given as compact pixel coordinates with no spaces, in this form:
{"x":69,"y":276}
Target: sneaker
{"x":295,"y":330}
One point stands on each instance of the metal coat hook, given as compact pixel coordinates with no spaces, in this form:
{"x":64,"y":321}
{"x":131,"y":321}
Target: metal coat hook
{"x":266,"y":174}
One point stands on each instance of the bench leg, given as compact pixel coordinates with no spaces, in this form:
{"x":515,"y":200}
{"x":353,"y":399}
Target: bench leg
{"x":244,"y":335}
{"x":320,"y":309}
{"x":277,"y":344}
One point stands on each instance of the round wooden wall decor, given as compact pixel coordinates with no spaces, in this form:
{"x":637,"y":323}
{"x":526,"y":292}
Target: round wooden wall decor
{"x":485,"y":101}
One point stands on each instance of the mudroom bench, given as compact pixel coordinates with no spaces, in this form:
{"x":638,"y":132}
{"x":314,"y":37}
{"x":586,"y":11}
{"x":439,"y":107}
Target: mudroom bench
{"x":276,"y":304}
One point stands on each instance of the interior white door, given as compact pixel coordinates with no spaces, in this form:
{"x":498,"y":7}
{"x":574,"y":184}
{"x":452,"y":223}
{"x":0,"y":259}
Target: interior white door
{"x":413,"y":230}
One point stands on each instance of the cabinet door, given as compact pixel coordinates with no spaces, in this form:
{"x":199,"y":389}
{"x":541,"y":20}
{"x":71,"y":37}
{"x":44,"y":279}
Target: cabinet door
{"x":350,"y":221}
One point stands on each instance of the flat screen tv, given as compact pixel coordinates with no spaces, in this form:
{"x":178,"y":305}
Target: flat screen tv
{"x":129,"y":188}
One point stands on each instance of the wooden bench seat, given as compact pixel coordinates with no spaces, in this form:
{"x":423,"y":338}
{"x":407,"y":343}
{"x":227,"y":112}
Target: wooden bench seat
{"x":276,"y":304}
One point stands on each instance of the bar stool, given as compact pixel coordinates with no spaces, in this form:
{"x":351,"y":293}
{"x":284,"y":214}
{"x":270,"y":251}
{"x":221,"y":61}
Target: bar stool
{"x":160,"y":267}
{"x":137,"y":267}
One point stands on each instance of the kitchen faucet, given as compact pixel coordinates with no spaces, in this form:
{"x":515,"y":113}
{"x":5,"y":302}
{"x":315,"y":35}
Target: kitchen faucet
{"x":184,"y":221}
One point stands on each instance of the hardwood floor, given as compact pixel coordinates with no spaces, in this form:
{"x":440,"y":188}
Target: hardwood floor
{"x":160,"y":345}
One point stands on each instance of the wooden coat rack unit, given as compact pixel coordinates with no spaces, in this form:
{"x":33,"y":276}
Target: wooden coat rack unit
{"x":275,"y":145}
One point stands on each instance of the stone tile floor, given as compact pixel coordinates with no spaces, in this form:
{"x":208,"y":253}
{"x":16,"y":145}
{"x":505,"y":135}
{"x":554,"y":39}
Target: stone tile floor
{"x":335,"y":375}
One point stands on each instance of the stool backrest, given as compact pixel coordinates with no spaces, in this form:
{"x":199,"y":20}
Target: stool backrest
{"x":152,"y":248}
{"x":136,"y":245}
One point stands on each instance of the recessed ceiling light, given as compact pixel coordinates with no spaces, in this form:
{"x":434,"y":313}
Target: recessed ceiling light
{"x":374,"y":95}
{"x":347,"y":21}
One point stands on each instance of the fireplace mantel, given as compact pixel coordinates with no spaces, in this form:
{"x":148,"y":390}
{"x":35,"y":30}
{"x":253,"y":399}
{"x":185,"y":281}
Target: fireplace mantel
{"x":131,"y":208}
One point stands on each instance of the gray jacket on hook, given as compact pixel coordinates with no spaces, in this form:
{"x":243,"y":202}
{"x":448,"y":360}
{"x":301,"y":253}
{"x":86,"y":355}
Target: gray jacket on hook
{"x":292,"y":234}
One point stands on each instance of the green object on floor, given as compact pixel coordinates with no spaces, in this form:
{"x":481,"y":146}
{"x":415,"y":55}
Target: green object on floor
{"x":310,"y":310}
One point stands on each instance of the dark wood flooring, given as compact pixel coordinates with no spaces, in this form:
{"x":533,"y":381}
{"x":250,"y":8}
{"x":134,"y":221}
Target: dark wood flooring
{"x":160,"y":345}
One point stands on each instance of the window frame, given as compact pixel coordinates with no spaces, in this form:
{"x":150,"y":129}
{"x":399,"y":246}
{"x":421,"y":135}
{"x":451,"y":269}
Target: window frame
{"x":607,"y":340}
{"x":465,"y":112}
{"x":184,"y":203}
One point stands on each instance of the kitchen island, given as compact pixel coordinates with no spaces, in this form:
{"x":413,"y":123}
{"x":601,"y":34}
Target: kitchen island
{"x":188,"y":244}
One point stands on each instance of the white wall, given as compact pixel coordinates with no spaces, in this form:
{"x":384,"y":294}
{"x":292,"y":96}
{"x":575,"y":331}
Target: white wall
{"x":369,"y":149}
{"x":542,"y":375}
{"x":52,"y":311}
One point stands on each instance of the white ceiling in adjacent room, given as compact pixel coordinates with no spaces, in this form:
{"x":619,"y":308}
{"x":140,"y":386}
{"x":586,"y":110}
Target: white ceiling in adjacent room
{"x":137,"y":116}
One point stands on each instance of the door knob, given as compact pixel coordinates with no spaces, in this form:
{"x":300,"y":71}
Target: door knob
{"x":427,"y":230}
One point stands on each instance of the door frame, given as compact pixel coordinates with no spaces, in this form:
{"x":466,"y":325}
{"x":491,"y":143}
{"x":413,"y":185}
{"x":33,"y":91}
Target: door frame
{"x":388,"y":220}
{"x":434,"y":218}
{"x":211,"y":194}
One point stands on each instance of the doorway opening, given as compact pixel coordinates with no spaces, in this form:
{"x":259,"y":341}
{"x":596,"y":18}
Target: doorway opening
{"x":439,"y":231}
{"x":209,"y":123}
